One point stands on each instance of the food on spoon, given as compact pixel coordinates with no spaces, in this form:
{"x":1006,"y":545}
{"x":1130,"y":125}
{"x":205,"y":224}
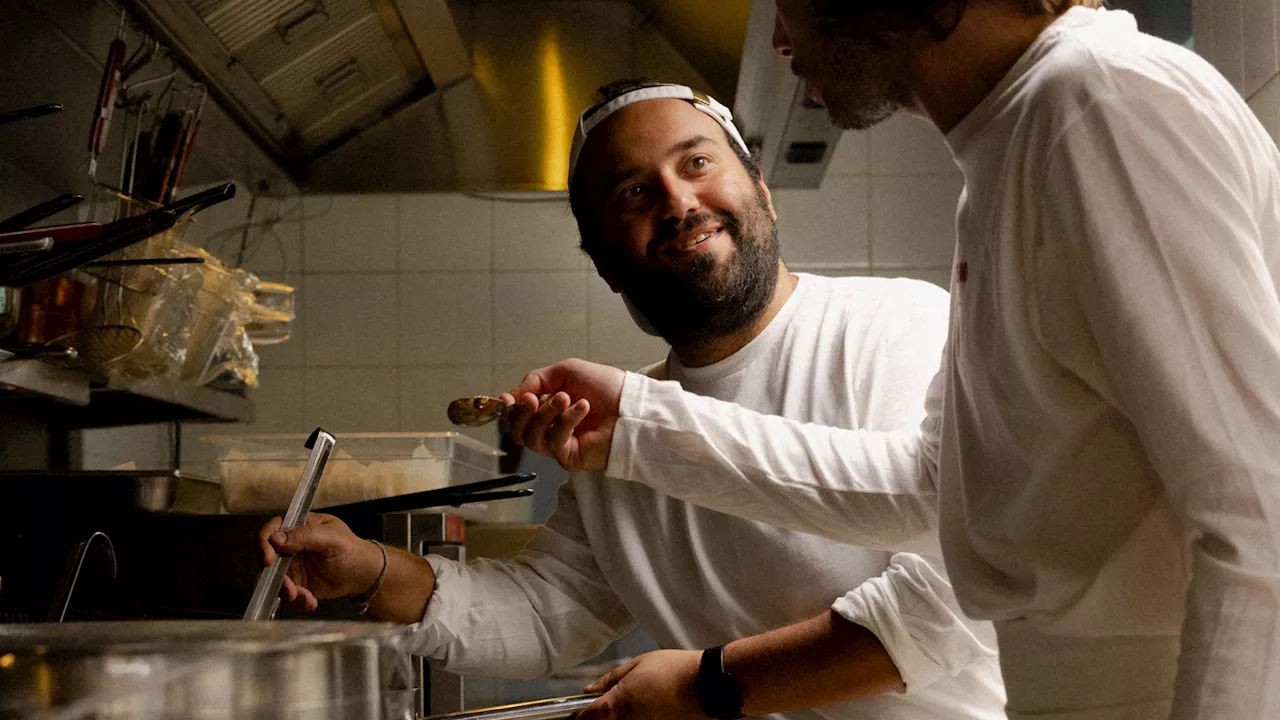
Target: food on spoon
{"x":475,"y":410}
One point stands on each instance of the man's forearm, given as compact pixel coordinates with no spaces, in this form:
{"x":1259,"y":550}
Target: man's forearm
{"x":810,"y":664}
{"x":405,"y":590}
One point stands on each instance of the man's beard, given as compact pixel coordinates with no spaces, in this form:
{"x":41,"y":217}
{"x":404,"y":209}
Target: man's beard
{"x":703,"y":301}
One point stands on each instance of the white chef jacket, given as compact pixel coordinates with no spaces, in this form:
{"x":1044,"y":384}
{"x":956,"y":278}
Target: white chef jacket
{"x":856,"y":352}
{"x":1105,"y":432}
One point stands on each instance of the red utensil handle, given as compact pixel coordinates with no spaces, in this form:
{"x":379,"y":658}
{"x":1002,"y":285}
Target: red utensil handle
{"x":107,"y":96}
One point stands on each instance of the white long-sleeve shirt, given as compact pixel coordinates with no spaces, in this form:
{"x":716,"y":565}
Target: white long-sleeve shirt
{"x":856,"y":352}
{"x":1108,"y":437}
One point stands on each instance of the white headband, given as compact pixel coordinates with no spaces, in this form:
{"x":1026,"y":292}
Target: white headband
{"x":707,"y":104}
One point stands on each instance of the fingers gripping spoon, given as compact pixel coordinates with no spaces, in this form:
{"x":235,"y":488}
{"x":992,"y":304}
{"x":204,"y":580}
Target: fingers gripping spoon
{"x":265,"y":600}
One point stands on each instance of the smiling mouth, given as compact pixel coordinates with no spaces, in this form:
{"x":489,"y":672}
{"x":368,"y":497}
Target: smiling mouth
{"x":689,"y":241}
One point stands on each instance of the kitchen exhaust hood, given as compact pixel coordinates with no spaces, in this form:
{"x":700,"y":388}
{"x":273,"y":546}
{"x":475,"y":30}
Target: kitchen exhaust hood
{"x":429,"y":95}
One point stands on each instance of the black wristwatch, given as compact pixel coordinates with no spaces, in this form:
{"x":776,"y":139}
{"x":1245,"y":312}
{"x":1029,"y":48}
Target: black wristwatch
{"x":718,"y":692}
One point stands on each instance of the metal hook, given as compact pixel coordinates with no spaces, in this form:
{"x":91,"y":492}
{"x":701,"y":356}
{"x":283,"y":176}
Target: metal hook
{"x":62,"y":600}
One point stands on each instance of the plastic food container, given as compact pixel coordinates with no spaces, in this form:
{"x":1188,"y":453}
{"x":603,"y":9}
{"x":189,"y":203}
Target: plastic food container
{"x":258,"y":473}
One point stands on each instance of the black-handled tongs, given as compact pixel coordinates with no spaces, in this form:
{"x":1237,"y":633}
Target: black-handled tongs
{"x":447,"y":496}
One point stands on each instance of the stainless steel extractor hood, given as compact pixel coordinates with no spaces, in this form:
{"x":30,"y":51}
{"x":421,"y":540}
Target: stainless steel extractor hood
{"x":426,"y":95}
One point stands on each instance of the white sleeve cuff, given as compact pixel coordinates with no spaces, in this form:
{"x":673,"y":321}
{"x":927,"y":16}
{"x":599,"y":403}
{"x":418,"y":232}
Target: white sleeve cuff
{"x":912,"y":609}
{"x":443,"y":614}
{"x":634,"y":391}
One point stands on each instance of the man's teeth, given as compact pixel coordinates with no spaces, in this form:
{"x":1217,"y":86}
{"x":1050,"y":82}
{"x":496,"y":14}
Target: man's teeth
{"x":700,"y":238}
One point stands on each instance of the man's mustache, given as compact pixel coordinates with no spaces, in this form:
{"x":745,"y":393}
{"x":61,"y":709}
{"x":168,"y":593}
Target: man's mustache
{"x":669,"y":230}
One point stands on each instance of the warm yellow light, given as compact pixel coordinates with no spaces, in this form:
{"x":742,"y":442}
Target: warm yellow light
{"x":7,"y":661}
{"x":556,"y":124}
{"x":482,"y":69}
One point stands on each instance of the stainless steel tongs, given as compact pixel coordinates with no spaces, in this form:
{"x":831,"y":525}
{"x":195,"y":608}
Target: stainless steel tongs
{"x":266,"y":594}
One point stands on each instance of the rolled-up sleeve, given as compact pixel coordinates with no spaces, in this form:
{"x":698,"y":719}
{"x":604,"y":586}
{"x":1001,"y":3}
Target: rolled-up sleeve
{"x":912,"y":609}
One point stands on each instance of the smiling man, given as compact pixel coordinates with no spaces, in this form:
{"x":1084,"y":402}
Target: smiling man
{"x":756,"y":619}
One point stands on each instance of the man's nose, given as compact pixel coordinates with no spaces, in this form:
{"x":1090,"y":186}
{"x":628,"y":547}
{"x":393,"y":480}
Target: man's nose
{"x":681,"y":198}
{"x":781,"y":41}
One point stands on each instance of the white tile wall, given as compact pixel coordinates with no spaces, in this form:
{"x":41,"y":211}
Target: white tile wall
{"x":351,"y":319}
{"x":277,"y":402}
{"x":906,"y":144}
{"x":349,"y":400}
{"x":346,"y":233}
{"x":913,"y":220}
{"x":824,"y":226}
{"x":1242,"y":40}
{"x":1259,"y":47}
{"x":535,"y":235}
{"x":446,"y":319}
{"x":1227,"y":23}
{"x":540,"y":318}
{"x":445,"y":232}
{"x":1202,"y":27}
{"x":852,"y":155}
{"x":1266,"y":105}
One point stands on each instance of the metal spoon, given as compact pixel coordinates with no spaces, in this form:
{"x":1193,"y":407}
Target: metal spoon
{"x":475,"y":410}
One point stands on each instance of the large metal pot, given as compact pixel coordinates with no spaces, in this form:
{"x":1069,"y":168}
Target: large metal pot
{"x":171,"y":670}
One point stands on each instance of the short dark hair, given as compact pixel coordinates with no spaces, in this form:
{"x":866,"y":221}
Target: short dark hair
{"x":588,"y":228}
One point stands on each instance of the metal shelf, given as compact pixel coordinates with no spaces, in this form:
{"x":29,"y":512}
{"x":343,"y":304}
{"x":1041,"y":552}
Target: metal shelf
{"x":79,"y":403}
{"x":37,"y":380}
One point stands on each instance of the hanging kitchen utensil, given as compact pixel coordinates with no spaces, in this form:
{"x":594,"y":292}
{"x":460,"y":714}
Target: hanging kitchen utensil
{"x":453,"y":495}
{"x":190,"y":126}
{"x":75,"y":232}
{"x":138,"y":262}
{"x":36,"y":244}
{"x":36,"y":213}
{"x":168,"y":142}
{"x":266,"y":593}
{"x":107,"y":92}
{"x":29,"y":113}
{"x":111,"y":333}
{"x":27,"y":268}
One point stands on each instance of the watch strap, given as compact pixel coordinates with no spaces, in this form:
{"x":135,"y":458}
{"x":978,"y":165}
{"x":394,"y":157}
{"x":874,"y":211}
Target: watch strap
{"x":718,"y":692}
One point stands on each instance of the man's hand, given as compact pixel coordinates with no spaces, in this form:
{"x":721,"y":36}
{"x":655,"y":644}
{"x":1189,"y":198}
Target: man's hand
{"x":659,"y":684}
{"x":329,"y":561}
{"x":567,"y":411}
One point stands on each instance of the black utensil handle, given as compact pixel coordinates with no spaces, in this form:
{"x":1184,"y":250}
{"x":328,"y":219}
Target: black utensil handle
{"x":488,"y":497}
{"x":28,"y":113}
{"x":428,"y":498}
{"x":145,"y":261}
{"x":39,"y":212}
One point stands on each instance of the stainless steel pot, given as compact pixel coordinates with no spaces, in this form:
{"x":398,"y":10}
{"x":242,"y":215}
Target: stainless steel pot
{"x":211,"y":670}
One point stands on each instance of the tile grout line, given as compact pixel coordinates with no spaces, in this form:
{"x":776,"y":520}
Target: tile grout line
{"x":399,"y":311}
{"x":871,"y":240}
{"x":493,"y":293}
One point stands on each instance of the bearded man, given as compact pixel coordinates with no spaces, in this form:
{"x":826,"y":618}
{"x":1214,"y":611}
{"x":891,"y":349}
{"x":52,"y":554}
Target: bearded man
{"x":754,"y":619}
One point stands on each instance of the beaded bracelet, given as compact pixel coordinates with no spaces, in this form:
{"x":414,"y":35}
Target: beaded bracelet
{"x":377,"y":585}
